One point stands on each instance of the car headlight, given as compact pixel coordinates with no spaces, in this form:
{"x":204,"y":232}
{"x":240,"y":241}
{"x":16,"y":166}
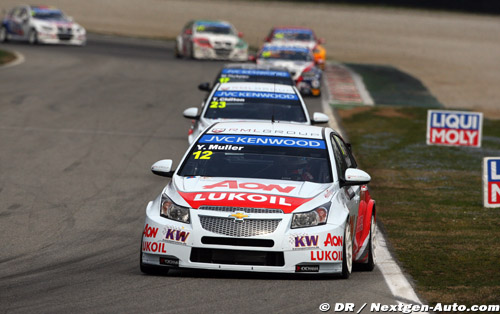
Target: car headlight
{"x":315,"y":217}
{"x":241,"y":44}
{"x":173,"y":211}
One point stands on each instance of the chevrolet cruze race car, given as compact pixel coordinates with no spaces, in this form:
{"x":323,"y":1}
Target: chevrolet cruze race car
{"x":250,"y":72}
{"x":41,"y":24}
{"x":250,"y":101}
{"x":211,"y":40}
{"x":299,"y":36}
{"x":264,"y":197}
{"x":298,"y":60}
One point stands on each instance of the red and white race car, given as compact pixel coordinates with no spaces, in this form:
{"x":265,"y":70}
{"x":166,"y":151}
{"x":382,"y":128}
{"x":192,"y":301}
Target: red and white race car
{"x":262,"y":197}
{"x":203,"y":39}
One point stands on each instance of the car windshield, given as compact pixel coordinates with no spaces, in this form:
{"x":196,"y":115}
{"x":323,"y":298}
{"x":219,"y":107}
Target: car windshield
{"x":214,"y":28}
{"x":47,"y":14}
{"x":255,"y":75}
{"x":276,"y":54}
{"x":251,"y":105}
{"x":293,"y":35}
{"x":264,"y":157}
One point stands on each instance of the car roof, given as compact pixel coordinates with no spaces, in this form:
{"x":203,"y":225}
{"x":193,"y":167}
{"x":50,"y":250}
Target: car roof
{"x":268,"y":129}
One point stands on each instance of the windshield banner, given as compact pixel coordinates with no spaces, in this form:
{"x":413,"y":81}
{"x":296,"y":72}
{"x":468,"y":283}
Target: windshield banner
{"x":263,"y":141}
{"x":243,"y":94}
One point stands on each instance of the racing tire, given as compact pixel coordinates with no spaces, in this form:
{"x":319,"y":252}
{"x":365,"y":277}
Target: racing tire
{"x":372,"y":245}
{"x":4,"y":36}
{"x":176,"y":52}
{"x":151,"y":269}
{"x":347,"y":252}
{"x":33,"y":37}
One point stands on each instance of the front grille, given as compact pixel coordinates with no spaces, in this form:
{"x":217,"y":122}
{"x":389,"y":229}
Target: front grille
{"x":223,"y":52}
{"x":242,"y":209}
{"x":239,"y":228}
{"x":64,"y":36}
{"x":238,"y":242}
{"x":237,"y":257}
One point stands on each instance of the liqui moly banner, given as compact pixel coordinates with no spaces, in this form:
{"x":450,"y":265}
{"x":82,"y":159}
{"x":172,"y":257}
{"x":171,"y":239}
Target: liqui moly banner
{"x":454,"y":128}
{"x":491,"y":181}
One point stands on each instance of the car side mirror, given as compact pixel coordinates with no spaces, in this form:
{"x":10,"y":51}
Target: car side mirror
{"x":191,"y":113}
{"x":70,"y":18}
{"x":204,"y":86}
{"x":321,"y":41}
{"x":240,"y":34}
{"x":319,"y":118}
{"x":252,"y":58}
{"x":163,"y":168}
{"x":356,"y":177}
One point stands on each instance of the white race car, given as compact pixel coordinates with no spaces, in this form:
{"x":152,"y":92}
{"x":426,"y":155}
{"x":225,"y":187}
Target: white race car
{"x":211,"y":40}
{"x":41,"y":24}
{"x":263,"y":197}
{"x":251,"y":101}
{"x":298,"y":60}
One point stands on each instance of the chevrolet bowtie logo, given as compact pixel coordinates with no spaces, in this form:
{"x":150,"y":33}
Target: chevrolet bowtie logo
{"x":239,"y":215}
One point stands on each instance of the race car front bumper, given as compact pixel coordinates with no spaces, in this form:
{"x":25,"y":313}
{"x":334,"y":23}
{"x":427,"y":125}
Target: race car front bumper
{"x":62,"y":39}
{"x":261,"y":243}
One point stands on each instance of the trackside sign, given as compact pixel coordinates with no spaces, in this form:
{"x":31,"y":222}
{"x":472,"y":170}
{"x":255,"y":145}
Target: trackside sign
{"x":454,"y":128}
{"x":491,"y":182}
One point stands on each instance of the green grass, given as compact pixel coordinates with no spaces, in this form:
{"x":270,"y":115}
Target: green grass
{"x":6,"y":56}
{"x":429,"y":200}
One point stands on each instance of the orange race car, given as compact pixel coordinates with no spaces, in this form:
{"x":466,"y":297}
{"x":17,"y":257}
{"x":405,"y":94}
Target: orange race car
{"x":299,"y":36}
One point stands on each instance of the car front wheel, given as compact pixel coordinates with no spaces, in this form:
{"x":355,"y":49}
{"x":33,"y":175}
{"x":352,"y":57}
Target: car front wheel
{"x":347,"y":252}
{"x":33,"y":37}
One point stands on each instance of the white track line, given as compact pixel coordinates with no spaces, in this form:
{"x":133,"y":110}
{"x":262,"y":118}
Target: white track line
{"x":19,"y":59}
{"x":398,"y":284}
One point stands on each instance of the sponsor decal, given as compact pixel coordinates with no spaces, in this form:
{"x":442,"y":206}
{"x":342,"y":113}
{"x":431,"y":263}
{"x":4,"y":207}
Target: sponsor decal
{"x":150,"y":232}
{"x":175,"y":235}
{"x":334,"y":240}
{"x":220,"y":147}
{"x":153,"y":247}
{"x":233,"y":184}
{"x":239,"y":215}
{"x":248,"y":94}
{"x":454,"y":128}
{"x":304,"y":241}
{"x":263,"y":141}
{"x":285,"y":203}
{"x":326,"y":255}
{"x":264,"y":131}
{"x":491,"y":182}
{"x":307,"y":268}
{"x":329,"y":193}
{"x":251,"y":72}
{"x":286,"y":48}
{"x":169,"y":261}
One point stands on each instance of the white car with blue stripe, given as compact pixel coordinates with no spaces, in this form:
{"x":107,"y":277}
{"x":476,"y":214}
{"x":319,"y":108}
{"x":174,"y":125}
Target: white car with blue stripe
{"x":245,"y":101}
{"x":41,"y":25}
{"x":262,"y":197}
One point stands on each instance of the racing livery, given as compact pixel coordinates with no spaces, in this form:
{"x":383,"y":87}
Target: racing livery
{"x":250,"y":101}
{"x":41,"y":24}
{"x":299,"y":36}
{"x":298,"y":60}
{"x":250,"y":72}
{"x":265,"y":197}
{"x":211,"y":40}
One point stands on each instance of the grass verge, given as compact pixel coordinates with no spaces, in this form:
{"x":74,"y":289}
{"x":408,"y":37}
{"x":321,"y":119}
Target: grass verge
{"x":6,"y":57}
{"x":429,"y":200}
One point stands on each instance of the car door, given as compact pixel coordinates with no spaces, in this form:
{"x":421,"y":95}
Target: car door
{"x":24,"y":18}
{"x":345,"y":160}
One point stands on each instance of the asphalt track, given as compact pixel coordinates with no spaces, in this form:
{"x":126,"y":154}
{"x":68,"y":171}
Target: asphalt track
{"x":79,"y":130}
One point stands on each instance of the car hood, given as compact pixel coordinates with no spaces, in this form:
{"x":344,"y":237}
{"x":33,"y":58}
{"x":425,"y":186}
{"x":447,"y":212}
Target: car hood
{"x":294,"y":67}
{"x":286,"y":195}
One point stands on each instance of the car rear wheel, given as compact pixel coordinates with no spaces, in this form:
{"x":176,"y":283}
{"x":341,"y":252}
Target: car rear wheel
{"x":347,"y":252}
{"x":3,"y":35}
{"x":33,"y":37}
